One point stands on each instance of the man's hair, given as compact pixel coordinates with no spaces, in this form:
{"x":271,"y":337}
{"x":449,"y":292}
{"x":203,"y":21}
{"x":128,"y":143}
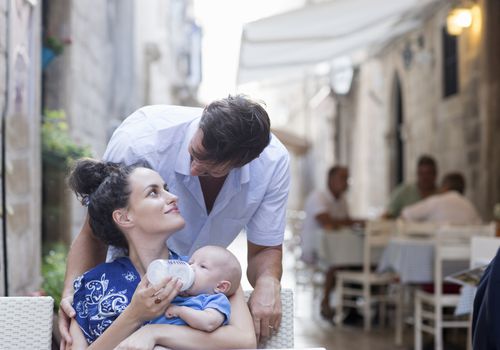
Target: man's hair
{"x":235,"y":130}
{"x":454,"y":182}
{"x":427,"y":161}
{"x":334,"y":169}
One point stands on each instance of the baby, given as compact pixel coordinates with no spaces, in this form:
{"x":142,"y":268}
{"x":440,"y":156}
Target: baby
{"x":205,"y":305}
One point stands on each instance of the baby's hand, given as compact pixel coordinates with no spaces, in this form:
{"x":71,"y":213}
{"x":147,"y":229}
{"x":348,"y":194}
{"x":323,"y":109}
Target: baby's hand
{"x":172,"y":311}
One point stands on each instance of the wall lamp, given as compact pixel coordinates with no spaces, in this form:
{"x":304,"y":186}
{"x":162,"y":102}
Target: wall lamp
{"x":458,"y":19}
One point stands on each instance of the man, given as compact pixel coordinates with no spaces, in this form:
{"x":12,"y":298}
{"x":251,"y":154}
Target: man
{"x":229,"y":172}
{"x":407,"y":194}
{"x":449,"y":206}
{"x":326,"y":210}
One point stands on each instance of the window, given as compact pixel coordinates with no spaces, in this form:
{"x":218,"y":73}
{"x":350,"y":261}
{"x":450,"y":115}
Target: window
{"x":450,"y":64}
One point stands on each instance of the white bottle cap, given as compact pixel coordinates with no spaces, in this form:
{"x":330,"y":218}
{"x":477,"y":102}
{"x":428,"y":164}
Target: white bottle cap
{"x":160,"y":268}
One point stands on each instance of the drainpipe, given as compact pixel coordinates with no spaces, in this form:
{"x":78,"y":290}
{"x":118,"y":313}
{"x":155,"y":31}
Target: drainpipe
{"x":3,"y":145}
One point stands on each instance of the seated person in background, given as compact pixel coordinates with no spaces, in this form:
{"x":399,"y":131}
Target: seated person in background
{"x":449,"y":206}
{"x":130,"y":207}
{"x":205,"y":305}
{"x":326,"y":209}
{"x":407,"y":194}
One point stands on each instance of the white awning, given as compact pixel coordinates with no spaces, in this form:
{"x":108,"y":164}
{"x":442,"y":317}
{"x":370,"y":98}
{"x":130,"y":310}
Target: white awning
{"x":287,"y":43}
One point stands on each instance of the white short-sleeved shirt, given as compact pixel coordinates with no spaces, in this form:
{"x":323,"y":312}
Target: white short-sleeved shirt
{"x":253,"y":196}
{"x":446,"y":208}
{"x":319,"y":202}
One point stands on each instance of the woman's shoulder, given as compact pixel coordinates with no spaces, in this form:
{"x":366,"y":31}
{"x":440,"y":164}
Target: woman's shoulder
{"x":101,"y":295}
{"x":118,"y":269}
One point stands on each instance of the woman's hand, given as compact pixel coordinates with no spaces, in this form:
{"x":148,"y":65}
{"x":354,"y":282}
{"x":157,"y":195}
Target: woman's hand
{"x":150,"y":301}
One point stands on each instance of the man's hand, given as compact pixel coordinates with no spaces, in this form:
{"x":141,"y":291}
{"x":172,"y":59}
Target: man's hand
{"x":66,"y":312}
{"x":265,"y":306}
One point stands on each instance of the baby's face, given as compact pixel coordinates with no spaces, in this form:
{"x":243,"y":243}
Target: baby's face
{"x":208,"y":271}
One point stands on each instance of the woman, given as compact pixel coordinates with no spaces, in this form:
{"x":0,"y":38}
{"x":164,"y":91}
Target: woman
{"x":130,"y":207}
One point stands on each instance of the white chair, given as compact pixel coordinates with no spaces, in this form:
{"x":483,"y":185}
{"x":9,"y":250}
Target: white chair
{"x":283,"y":337}
{"x":26,"y":322}
{"x":450,"y":246}
{"x":415,"y":231}
{"x":377,"y":235}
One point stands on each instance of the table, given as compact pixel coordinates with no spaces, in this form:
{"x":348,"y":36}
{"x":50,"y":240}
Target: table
{"x":344,"y":247}
{"x":412,"y":259}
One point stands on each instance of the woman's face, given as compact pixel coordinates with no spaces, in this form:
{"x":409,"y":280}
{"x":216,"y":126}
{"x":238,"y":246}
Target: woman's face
{"x":151,"y":207}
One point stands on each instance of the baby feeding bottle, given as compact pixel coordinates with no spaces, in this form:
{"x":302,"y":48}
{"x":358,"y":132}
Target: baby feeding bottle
{"x":161,"y":268}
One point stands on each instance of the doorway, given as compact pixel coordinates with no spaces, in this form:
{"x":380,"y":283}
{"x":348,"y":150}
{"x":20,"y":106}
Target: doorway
{"x":396,"y":142}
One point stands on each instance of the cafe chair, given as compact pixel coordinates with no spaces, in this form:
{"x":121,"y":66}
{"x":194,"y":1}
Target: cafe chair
{"x":283,"y":337}
{"x":26,"y":322}
{"x":430,"y":305}
{"x":373,"y":287}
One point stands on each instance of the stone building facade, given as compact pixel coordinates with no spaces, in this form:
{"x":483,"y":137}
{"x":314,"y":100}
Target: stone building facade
{"x":20,"y":202}
{"x":397,"y":109}
{"x":118,"y":55}
{"x":456,"y":128}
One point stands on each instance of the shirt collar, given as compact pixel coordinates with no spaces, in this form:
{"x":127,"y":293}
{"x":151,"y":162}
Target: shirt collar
{"x":183,"y":162}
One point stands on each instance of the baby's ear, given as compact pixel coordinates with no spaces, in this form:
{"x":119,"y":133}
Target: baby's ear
{"x":223,"y":287}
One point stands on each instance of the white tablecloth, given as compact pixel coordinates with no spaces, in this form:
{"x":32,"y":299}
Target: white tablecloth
{"x":413,"y":260}
{"x":343,"y":248}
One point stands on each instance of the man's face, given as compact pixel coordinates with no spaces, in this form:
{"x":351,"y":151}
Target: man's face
{"x":203,"y":167}
{"x":426,"y":177}
{"x":339,"y":182}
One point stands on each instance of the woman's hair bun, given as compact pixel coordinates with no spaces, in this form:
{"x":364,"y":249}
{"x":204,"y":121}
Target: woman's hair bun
{"x":86,"y":176}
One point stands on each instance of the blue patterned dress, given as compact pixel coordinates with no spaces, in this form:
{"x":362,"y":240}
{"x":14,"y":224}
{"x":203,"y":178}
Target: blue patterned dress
{"x":102,"y":293}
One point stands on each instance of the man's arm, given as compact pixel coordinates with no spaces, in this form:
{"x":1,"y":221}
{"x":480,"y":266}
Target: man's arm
{"x":264,"y":274}
{"x":86,"y":252}
{"x":329,"y":223}
{"x":79,"y":341}
{"x":265,"y":232}
{"x":395,"y":204}
{"x":419,"y":211}
{"x":206,"y":320}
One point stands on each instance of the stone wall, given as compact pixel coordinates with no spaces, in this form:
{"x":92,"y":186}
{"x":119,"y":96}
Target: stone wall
{"x":93,"y":80}
{"x":3,"y":88}
{"x":119,"y":57}
{"x":490,"y":101}
{"x":22,"y":146}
